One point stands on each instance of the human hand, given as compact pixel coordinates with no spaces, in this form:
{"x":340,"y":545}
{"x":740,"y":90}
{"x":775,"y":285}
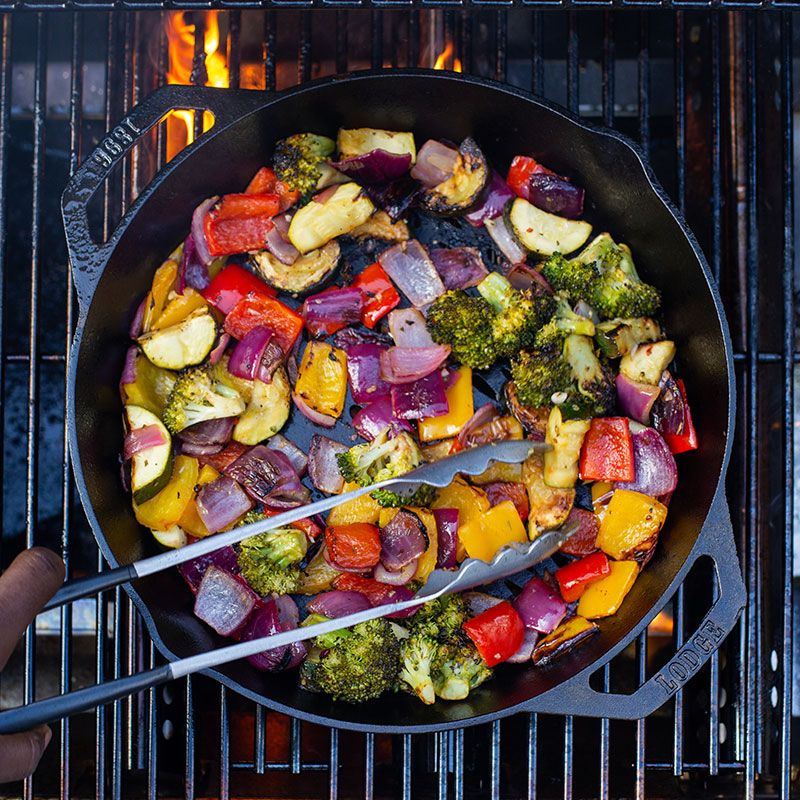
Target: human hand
{"x":31,"y":580}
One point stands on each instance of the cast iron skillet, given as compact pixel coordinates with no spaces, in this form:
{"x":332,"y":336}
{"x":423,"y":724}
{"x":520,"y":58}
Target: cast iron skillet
{"x":111,"y":278}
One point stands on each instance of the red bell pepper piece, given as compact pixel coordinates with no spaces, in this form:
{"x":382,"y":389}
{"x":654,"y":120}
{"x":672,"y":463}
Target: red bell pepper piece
{"x":380,"y":295}
{"x":575,"y":577}
{"x":519,"y":175}
{"x":356,"y":546}
{"x":307,"y":525}
{"x":239,"y":222}
{"x":497,"y":632}
{"x":687,"y":439}
{"x":231,"y":285}
{"x":584,"y":541}
{"x":258,"y":309}
{"x":499,"y":491}
{"x":377,"y":593}
{"x":225,"y":457}
{"x":607,"y":451}
{"x":264,"y":182}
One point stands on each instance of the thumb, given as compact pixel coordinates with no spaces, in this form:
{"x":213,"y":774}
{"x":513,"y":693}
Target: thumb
{"x":20,"y":753}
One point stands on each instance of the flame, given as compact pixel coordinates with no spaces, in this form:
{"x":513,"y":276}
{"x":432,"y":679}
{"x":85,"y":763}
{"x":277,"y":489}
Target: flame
{"x":444,"y":56}
{"x":662,"y":624}
{"x":180,"y":30}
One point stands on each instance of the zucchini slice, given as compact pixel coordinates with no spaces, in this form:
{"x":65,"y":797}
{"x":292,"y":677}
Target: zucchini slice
{"x":267,"y":411}
{"x":151,"y":469}
{"x":646,"y":362}
{"x":545,"y":233}
{"x":181,"y":345}
{"x":308,"y":274}
{"x":173,"y":538}
{"x":463,"y":188}
{"x":357,"y":141}
{"x":332,"y":215}
{"x":380,"y":226}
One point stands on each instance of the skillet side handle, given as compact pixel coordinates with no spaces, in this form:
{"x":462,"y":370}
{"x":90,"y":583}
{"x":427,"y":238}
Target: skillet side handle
{"x":577,"y":697}
{"x":87,"y":257}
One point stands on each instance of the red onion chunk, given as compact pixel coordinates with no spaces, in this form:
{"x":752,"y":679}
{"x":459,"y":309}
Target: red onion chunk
{"x":540,"y":607}
{"x":278,"y":243}
{"x":478,"y":602}
{"x":398,"y":577}
{"x":333,"y":309}
{"x":555,"y":195}
{"x":395,"y":197}
{"x":364,"y":372}
{"x":271,"y":359}
{"x":335,"y":604}
{"x":193,"y":571}
{"x":193,"y":271}
{"x":397,"y":594}
{"x":376,"y":417}
{"x":499,"y":491}
{"x":129,"y":367}
{"x":506,"y":242}
{"x":636,"y":399}
{"x":221,"y":502}
{"x":410,"y":267}
{"x":376,"y":166}
{"x":447,"y":537}
{"x":492,"y":201}
{"x":212,"y":431}
{"x":350,"y":337}
{"x":268,"y":477}
{"x":436,"y":162}
{"x":246,"y":356}
{"x":423,"y":398}
{"x":408,"y":328}
{"x":323,"y":468}
{"x":315,"y":416}
{"x":525,"y":652}
{"x":267,"y":621}
{"x":486,"y":413}
{"x":199,"y":450}
{"x":141,"y":439}
{"x":521,"y":277}
{"x":296,"y":456}
{"x":407,"y":364}
{"x":224,"y":601}
{"x":656,"y":470}
{"x":198,"y":230}
{"x":135,"y":329}
{"x":402,"y":540}
{"x":669,"y":410}
{"x":219,"y":348}
{"x":459,"y":267}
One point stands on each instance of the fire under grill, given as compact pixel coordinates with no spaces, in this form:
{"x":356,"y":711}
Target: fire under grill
{"x":708,"y":95}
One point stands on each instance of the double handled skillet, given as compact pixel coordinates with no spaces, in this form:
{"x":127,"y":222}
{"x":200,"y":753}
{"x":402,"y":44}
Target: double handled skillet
{"x":111,"y":278}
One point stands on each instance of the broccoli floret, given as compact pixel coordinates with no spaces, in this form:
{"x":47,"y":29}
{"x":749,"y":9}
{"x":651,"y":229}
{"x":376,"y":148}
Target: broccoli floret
{"x":569,"y":275}
{"x":269,"y":561}
{"x":416,"y":653}
{"x":457,"y":668}
{"x":357,"y":668}
{"x":197,"y":397}
{"x":563,"y":322}
{"x":441,"y":618}
{"x":518,"y":315}
{"x":326,"y":640}
{"x":465,"y":323}
{"x":384,"y":458}
{"x":298,"y":159}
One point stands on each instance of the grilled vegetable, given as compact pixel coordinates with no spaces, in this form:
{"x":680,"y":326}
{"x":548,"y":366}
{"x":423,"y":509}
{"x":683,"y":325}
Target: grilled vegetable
{"x":332,"y":213}
{"x":577,"y":575}
{"x":617,"y":337}
{"x":544,"y":233}
{"x":308,"y":273}
{"x":549,"y":507}
{"x":629,"y":528}
{"x":267,"y":411}
{"x":164,"y":509}
{"x":380,"y":226}
{"x":499,"y":526}
{"x":197,"y":397}
{"x":460,"y":410}
{"x":566,"y":438}
{"x":646,"y":363}
{"x":181,"y":345}
{"x":604,"y":597}
{"x":150,"y":386}
{"x":151,"y":468}
{"x":565,"y":638}
{"x":322,"y":381}
{"x":357,"y":141}
{"x":163,"y":284}
{"x":463,"y":188}
{"x":497,"y":632}
{"x":607,"y":452}
{"x":299,"y":159}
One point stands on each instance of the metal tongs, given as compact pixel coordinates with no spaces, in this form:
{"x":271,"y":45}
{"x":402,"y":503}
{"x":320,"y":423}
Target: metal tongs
{"x":472,"y":572}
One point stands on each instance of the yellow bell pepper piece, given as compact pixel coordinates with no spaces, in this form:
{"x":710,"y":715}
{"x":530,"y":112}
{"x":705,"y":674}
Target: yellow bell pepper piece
{"x":427,"y":561}
{"x":599,"y":490}
{"x":163,"y":284}
{"x":151,"y":388}
{"x":179,"y":307}
{"x":190,"y":520}
{"x":470,"y":501}
{"x":499,"y":526}
{"x":386,"y":516}
{"x":362,"y":509}
{"x":630,"y":525}
{"x":604,"y":597}
{"x":461,"y":408}
{"x":322,"y":380}
{"x":167,"y":507}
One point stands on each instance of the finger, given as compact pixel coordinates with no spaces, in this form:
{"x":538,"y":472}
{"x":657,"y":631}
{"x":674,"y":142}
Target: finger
{"x":32,"y":579}
{"x":20,"y":753}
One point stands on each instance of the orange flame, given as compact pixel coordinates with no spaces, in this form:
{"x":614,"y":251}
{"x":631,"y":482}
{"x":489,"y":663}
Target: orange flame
{"x":662,"y":624}
{"x":445,"y":56}
{"x":181,"y":42}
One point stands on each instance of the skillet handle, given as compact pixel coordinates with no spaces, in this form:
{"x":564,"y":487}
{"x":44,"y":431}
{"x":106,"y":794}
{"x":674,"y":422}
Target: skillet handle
{"x":576,"y":697}
{"x":86,"y":255}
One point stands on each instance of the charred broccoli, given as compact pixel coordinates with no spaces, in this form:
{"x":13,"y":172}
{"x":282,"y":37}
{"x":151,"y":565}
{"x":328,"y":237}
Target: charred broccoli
{"x":457,"y":668}
{"x":441,"y":618}
{"x":197,"y":397}
{"x":569,"y":275}
{"x":416,"y":653}
{"x":464,"y":322}
{"x":518,"y":315}
{"x":298,"y":160}
{"x":384,"y":458}
{"x":269,"y":561}
{"x":358,"y":667}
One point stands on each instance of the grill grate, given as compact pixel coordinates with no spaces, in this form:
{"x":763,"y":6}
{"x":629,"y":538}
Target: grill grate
{"x":709,"y":97}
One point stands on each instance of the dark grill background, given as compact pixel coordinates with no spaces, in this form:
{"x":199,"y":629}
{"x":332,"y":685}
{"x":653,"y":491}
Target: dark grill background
{"x":709,"y":97}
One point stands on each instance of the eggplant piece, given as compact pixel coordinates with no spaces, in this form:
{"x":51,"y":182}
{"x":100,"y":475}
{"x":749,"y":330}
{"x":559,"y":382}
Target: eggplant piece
{"x":462,"y":190}
{"x":267,"y":411}
{"x":358,"y":141}
{"x":549,"y":507}
{"x":309,"y":273}
{"x":182,"y":345}
{"x":151,"y":469}
{"x":334,"y":212}
{"x":565,"y":638}
{"x":534,"y":420}
{"x":380,"y":226}
{"x":544,"y":233}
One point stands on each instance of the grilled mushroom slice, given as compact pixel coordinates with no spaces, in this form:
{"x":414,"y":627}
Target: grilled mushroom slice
{"x":462,"y":189}
{"x":308,"y":273}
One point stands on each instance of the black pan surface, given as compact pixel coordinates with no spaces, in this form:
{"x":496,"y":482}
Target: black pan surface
{"x":622,"y":196}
